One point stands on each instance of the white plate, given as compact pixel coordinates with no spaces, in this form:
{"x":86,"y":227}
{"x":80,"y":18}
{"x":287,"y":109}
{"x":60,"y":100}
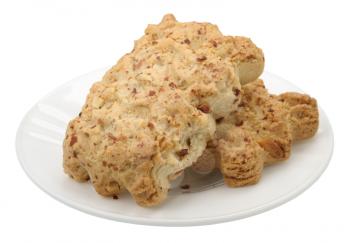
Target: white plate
{"x":39,"y":150}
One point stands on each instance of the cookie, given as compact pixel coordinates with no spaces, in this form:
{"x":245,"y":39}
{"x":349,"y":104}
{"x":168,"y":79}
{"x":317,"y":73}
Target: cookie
{"x":268,"y":123}
{"x":149,"y":118}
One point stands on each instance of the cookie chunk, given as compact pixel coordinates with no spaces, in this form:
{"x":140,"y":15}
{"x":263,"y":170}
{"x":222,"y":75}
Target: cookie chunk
{"x":266,"y":119}
{"x":268,"y":123}
{"x":304,"y":116}
{"x":240,"y":158}
{"x":149,"y":118}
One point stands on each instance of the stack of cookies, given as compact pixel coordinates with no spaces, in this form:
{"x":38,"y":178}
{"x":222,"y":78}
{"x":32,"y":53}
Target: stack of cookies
{"x":185,"y":96}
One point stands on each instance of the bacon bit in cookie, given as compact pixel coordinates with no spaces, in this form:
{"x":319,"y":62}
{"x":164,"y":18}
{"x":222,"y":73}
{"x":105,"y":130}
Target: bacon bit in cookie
{"x":187,"y":41}
{"x":219,"y":120}
{"x":182,"y":152}
{"x":203,"y":108}
{"x":150,"y":125}
{"x":185,"y":187}
{"x":151,"y":93}
{"x":111,"y":136}
{"x":246,"y":139}
{"x":270,"y":110}
{"x":238,"y":123}
{"x":166,"y":79}
{"x":134,"y":91}
{"x":236,"y":91}
{"x":172,"y":85}
{"x":113,"y":167}
{"x":214,"y":43}
{"x":75,"y":154}
{"x":201,"y":59}
{"x":104,"y":163}
{"x":115,"y":197}
{"x":137,"y":65}
{"x":73,"y":140}
{"x":100,"y":122}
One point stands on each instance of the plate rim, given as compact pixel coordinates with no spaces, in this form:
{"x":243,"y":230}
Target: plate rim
{"x":278,"y":201}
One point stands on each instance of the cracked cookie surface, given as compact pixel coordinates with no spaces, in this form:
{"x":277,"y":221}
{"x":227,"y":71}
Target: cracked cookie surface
{"x":149,"y":118}
{"x":237,"y":50}
{"x":258,"y":133}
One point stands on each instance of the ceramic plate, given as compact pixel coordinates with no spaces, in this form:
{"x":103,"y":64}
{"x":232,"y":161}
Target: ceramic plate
{"x":207,"y":201}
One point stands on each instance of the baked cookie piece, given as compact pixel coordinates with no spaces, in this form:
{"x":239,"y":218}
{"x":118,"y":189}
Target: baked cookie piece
{"x":240,"y":157}
{"x":240,"y":51}
{"x":303,"y":117}
{"x":268,"y":124}
{"x":149,"y":118}
{"x":267,"y":120}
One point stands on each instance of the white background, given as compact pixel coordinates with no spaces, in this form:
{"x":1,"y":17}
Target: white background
{"x":46,"y":43}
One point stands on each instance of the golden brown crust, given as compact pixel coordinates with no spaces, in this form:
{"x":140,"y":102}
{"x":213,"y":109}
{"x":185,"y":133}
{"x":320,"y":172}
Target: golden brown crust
{"x":240,"y":51}
{"x":257,"y":133}
{"x":267,"y":120}
{"x":74,"y":167}
{"x":304,"y":116}
{"x":241,"y":160}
